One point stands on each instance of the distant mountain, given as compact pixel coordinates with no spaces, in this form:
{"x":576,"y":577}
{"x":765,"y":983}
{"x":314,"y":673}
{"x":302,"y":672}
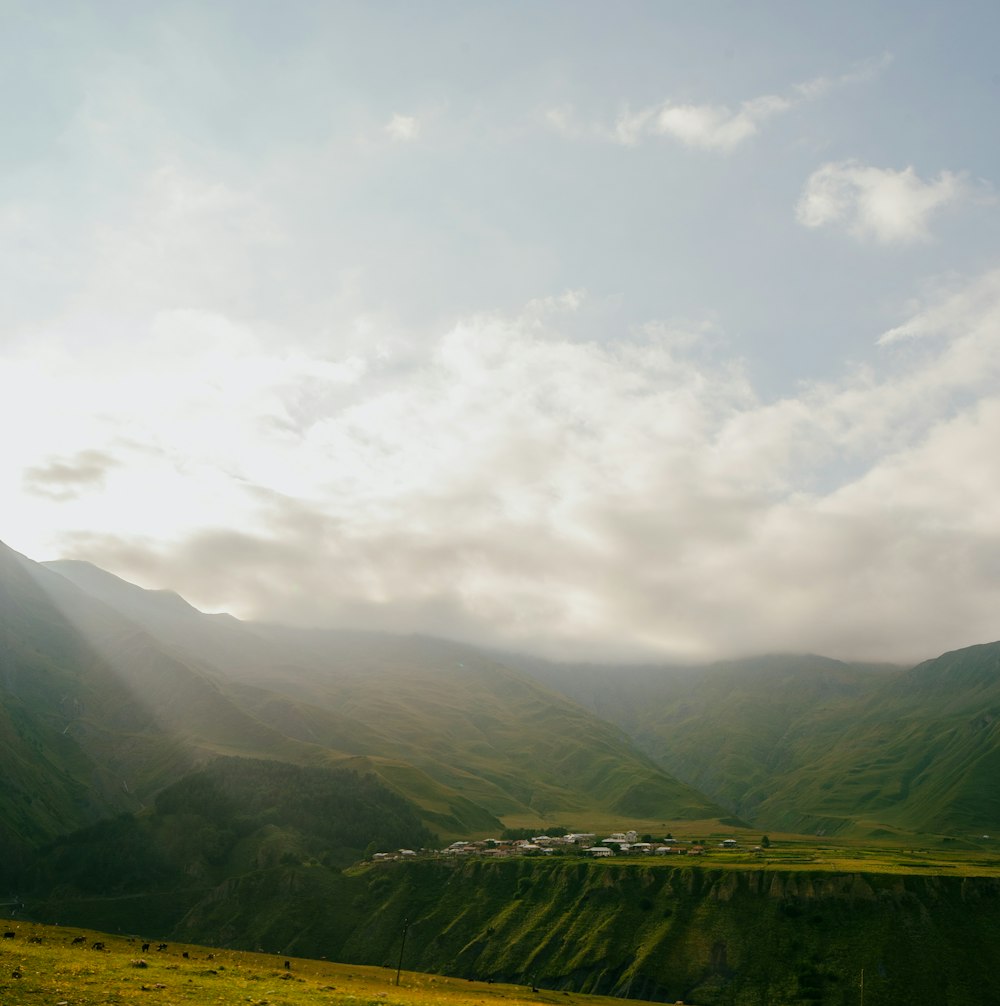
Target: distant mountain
{"x":440,"y":722}
{"x":473,"y":738}
{"x":806,"y":743}
{"x":921,"y":753}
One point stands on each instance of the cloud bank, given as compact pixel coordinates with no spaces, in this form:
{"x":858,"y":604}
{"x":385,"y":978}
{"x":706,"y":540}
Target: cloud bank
{"x":523,"y":487}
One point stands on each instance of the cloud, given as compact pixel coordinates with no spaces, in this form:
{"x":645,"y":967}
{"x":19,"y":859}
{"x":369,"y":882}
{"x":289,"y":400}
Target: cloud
{"x":634,"y":498}
{"x":66,"y":478}
{"x":403,"y":127}
{"x":887,"y":206}
{"x":703,"y":126}
{"x":955,"y":310}
{"x":707,"y":127}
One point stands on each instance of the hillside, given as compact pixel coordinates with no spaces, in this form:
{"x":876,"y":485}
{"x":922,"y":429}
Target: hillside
{"x":805,"y":743}
{"x":701,"y":934}
{"x":97,"y":716}
{"x":486,"y":732}
{"x":920,"y":754}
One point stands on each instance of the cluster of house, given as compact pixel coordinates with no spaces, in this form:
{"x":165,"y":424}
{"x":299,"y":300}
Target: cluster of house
{"x":619,"y":843}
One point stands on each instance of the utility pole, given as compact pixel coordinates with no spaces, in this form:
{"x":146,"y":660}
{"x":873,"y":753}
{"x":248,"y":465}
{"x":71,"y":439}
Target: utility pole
{"x":402,"y":943}
{"x":862,"y":987}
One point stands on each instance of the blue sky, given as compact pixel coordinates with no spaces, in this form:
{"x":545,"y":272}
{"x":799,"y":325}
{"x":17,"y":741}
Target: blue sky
{"x":644,"y":330}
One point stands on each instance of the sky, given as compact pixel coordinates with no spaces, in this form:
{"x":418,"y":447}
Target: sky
{"x":603,"y":331}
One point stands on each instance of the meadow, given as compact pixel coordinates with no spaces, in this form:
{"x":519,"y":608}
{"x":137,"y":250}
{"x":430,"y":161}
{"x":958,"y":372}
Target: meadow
{"x":64,"y":969}
{"x":907,"y":855}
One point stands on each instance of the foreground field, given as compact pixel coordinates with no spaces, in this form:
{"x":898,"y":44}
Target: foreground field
{"x":57,"y":971}
{"x":790,"y":922}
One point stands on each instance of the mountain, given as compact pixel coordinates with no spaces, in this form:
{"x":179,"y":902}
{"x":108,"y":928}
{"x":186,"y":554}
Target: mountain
{"x":97,"y":715}
{"x":806,"y":743}
{"x":919,"y":754}
{"x":473,"y":738}
{"x":446,"y":725}
{"x":158,"y":759}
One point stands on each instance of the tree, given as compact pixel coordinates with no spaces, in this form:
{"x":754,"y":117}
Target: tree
{"x":765,"y":842}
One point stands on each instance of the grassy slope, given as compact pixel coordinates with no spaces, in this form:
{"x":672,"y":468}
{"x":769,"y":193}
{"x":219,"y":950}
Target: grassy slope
{"x":705,"y":933}
{"x":487,"y":733}
{"x":97,"y":714}
{"x":57,"y":970}
{"x":811,"y":744}
{"x":922,"y":755}
{"x":714,"y":936}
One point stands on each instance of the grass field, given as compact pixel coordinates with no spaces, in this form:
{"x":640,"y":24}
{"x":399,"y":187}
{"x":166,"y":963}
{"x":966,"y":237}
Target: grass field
{"x":56,"y":971}
{"x":897,"y":853}
{"x":797,"y":853}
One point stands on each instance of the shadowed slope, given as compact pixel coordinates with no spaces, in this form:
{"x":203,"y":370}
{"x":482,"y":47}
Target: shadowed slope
{"x":468,"y":721}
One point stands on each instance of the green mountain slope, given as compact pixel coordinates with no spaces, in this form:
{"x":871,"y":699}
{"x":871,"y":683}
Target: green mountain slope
{"x":805,"y":743}
{"x":486,"y":732}
{"x":921,"y":754}
{"x":665,"y":932}
{"x":729,"y":729}
{"x":97,"y":715}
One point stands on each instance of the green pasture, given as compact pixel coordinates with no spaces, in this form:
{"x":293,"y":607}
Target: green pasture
{"x":60,"y":972}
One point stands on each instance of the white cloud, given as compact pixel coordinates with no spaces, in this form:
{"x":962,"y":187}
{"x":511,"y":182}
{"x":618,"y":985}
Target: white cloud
{"x":403,"y":127}
{"x":878,"y":203}
{"x":520,"y":487}
{"x":708,"y":126}
{"x":958,"y":309}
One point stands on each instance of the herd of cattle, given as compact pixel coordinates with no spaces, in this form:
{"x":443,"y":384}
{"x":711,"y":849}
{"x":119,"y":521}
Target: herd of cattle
{"x":96,"y":945}
{"x":11,"y":934}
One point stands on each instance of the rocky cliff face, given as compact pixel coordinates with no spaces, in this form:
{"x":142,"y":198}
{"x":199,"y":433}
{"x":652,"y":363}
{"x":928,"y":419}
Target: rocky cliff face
{"x":715,"y":937}
{"x":701,"y":935}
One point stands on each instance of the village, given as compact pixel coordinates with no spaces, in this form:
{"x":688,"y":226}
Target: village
{"x":622,"y":843}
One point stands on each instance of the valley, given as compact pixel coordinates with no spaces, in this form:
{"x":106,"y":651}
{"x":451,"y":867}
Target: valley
{"x":195,"y":778}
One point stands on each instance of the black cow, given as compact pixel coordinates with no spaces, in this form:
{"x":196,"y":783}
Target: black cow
{"x":79,"y":939}
{"x":97,"y":945}
{"x":9,"y":935}
{"x":145,"y":946}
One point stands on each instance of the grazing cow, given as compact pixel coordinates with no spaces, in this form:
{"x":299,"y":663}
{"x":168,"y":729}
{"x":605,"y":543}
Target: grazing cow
{"x":145,"y":946}
{"x":97,"y":945}
{"x":162,"y":946}
{"x":9,"y":935}
{"x":186,"y":955}
{"x":79,"y":939}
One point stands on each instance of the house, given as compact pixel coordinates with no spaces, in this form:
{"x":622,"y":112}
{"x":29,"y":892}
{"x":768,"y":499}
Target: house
{"x":599,"y":851}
